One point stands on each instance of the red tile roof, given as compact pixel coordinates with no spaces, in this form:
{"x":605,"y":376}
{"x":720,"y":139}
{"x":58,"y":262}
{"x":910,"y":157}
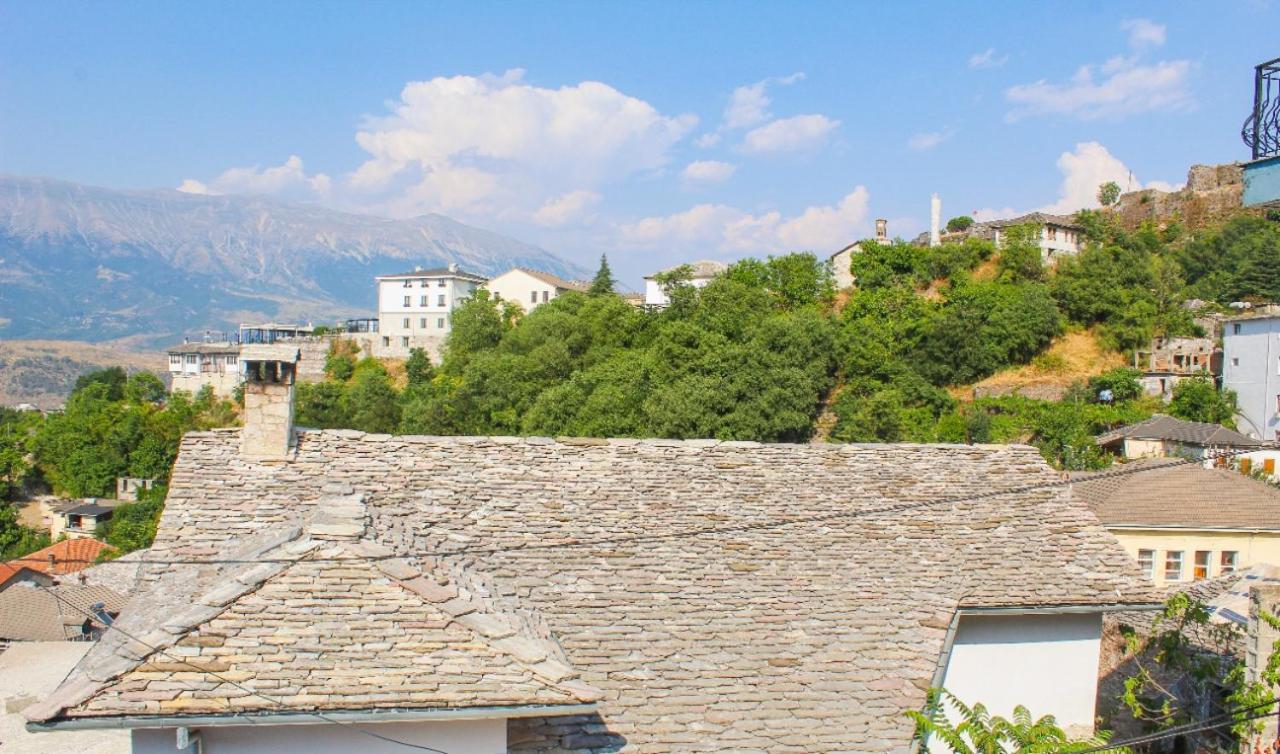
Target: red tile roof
{"x":67,"y":556}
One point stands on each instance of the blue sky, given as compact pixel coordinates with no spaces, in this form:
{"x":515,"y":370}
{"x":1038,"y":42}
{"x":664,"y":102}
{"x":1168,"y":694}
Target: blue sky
{"x":651,"y":131}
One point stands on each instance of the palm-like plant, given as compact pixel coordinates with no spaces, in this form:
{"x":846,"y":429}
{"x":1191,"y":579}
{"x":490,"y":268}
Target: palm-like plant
{"x":964,"y":729}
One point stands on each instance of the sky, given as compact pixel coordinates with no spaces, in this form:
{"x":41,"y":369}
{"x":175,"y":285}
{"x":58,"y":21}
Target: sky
{"x":653,"y":132}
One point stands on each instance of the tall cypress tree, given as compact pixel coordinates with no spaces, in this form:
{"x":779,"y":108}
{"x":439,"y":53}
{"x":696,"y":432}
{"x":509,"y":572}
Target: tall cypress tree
{"x":603,"y":282}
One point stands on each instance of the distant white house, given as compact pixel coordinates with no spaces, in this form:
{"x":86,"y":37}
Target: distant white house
{"x":530,"y":288}
{"x":842,"y":260}
{"x":703,"y":272}
{"x":1251,"y":368}
{"x":1058,"y":236}
{"x":415,"y":308}
{"x":192,"y":366}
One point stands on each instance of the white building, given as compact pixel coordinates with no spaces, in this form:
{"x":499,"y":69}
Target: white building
{"x":415,"y":308}
{"x":842,"y":260}
{"x":1058,"y":236}
{"x":1251,"y":367}
{"x":195,"y":365}
{"x":530,"y":288}
{"x":703,"y":272}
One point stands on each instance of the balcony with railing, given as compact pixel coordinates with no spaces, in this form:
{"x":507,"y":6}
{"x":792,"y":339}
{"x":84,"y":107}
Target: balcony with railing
{"x":1261,"y":133}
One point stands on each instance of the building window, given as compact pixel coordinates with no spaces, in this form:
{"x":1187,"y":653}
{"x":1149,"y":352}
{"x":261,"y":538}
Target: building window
{"x":405,"y":322}
{"x":440,"y":323}
{"x":1235,"y":329}
{"x":424,"y":300}
{"x":440,"y":300}
{"x":533,"y":297}
{"x":1053,"y":234}
{"x":422,"y":323}
{"x":232,"y":359}
{"x":423,"y":283}
{"x":1147,"y":563}
{"x":404,"y":340}
{"x":175,"y":360}
{"x":1201,"y":569}
{"x":408,"y":299}
{"x":408,"y":284}
{"x":1246,"y":465}
{"x":544,"y":297}
{"x":1228,"y":562}
{"x":192,"y":359}
{"x":386,"y":341}
{"x":440,"y":283}
{"x":1269,"y":466}
{"x":1235,"y":361}
{"x":1173,"y":565}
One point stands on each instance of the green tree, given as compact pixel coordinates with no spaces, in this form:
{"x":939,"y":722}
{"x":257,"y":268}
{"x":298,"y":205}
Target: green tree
{"x":320,"y":405}
{"x":957,"y":224}
{"x":113,"y":378}
{"x":478,"y":324}
{"x":603,"y":282}
{"x":144,"y":387}
{"x":1123,"y":382}
{"x":16,"y":539}
{"x":1108,"y":193}
{"x":1199,"y":400}
{"x":417,"y":368}
{"x":1020,"y":256}
{"x":370,"y":403}
{"x":132,"y":526}
{"x":976,"y":731}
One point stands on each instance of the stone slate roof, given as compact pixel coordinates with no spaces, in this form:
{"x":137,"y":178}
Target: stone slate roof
{"x":436,"y":272}
{"x":1164,"y":427}
{"x":205,"y":348}
{"x":1040,"y":218}
{"x":313,"y":624}
{"x":1178,"y":494}
{"x":780,"y":597}
{"x":33,"y":613}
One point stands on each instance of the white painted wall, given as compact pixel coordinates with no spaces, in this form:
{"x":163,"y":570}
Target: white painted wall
{"x":1046,"y":663}
{"x":1251,"y":367}
{"x":520,"y":287}
{"x":653,"y":295}
{"x":455,"y":737}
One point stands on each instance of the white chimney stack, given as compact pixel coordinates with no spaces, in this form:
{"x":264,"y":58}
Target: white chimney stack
{"x":935,"y":220}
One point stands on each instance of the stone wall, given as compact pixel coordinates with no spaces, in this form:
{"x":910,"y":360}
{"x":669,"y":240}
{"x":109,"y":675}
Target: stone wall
{"x":1212,"y":193}
{"x":268,"y":420}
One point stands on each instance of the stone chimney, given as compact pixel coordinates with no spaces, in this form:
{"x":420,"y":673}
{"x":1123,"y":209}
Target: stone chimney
{"x":935,"y":220}
{"x":882,"y":231}
{"x":268,"y":401}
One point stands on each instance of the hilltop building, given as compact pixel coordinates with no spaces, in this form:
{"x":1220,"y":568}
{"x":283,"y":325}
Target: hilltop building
{"x":841,"y":260}
{"x":530,"y":288}
{"x":1057,"y":236}
{"x":388,"y":582}
{"x":415,"y":309}
{"x":1168,"y":361}
{"x":703,"y":272}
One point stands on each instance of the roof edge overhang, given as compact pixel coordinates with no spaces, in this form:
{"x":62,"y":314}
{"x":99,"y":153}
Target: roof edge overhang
{"x":1058,"y":609}
{"x":318,"y":717}
{"x":1215,"y":528}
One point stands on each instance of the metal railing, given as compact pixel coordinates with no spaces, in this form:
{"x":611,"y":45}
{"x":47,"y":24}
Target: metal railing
{"x":1261,"y":130}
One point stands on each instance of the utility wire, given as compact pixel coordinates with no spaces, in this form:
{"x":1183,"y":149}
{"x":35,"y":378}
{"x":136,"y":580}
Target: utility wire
{"x":701,"y":531}
{"x":1198,"y":726}
{"x":279,"y":704}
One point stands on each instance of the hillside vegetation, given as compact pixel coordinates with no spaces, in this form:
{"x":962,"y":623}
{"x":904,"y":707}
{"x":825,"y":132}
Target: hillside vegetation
{"x":757,"y":352}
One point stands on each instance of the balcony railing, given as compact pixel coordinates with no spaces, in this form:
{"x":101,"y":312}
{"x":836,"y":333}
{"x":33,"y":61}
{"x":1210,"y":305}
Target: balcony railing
{"x":1261,"y":130}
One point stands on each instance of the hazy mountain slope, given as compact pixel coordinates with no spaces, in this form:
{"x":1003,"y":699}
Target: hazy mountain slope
{"x":96,"y":264}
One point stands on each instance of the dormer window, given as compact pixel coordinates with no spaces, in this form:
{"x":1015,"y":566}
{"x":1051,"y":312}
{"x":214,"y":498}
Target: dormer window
{"x":408,"y":284}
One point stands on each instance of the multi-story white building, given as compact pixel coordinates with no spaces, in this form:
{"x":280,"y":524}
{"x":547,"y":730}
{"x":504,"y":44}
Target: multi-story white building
{"x":415,"y":308}
{"x":1251,"y":367}
{"x":1058,"y":236}
{"x":530,"y":288}
{"x":703,"y":272}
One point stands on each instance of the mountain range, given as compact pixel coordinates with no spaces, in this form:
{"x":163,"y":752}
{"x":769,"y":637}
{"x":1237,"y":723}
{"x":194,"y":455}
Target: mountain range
{"x":96,"y":264}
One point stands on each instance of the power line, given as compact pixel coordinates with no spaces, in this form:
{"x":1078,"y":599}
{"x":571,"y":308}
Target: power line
{"x":279,"y":704}
{"x":701,"y":531}
{"x":1220,"y":720}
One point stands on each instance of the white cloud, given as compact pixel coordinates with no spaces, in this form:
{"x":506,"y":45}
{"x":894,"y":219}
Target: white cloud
{"x":290,"y":180}
{"x":562,"y":210}
{"x":708,"y":171}
{"x":749,"y":105}
{"x":1144,"y":33}
{"x":790,"y":134}
{"x":532,"y":142}
{"x":707,"y":140}
{"x":987,"y":59}
{"x":1085,"y":169}
{"x":927,"y":140}
{"x":729,"y":229}
{"x":1120,"y":87}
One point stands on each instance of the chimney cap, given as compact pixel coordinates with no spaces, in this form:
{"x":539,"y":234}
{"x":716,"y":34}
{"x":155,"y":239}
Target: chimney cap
{"x":453,"y":267}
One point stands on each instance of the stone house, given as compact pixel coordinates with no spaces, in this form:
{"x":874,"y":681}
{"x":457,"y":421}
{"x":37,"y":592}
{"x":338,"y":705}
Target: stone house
{"x":192,"y":366}
{"x":1057,"y":236}
{"x":1164,"y":436}
{"x":1168,"y":361}
{"x":530,"y":288}
{"x":589,"y":595}
{"x":842,"y":260}
{"x":128,"y":487}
